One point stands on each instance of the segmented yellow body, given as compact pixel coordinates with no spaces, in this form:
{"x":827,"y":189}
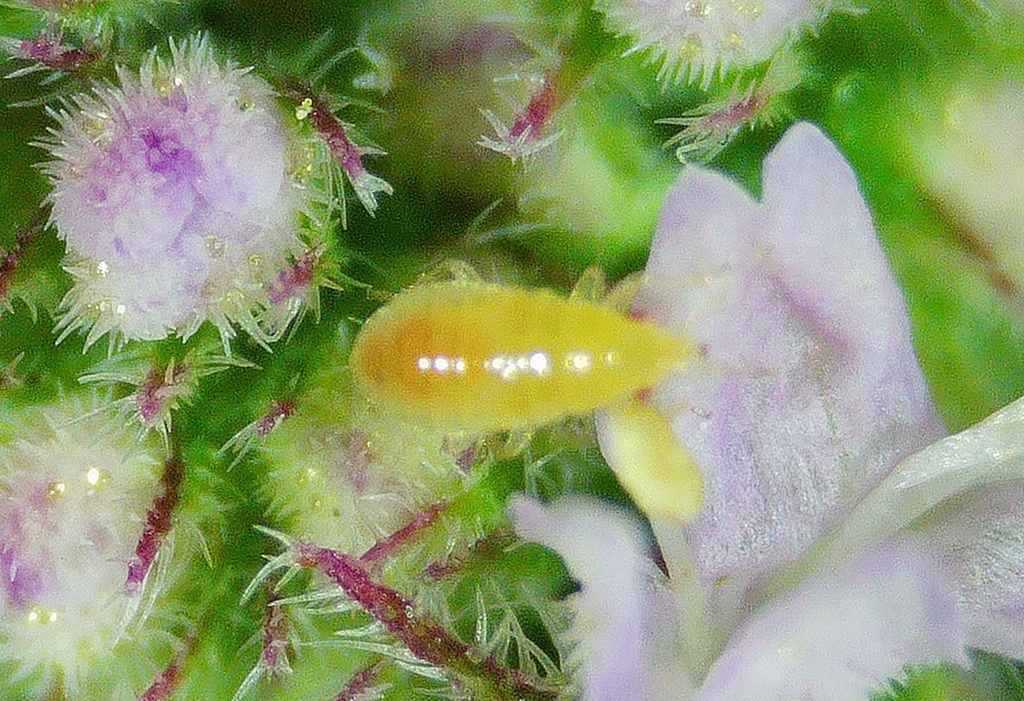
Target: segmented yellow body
{"x":478,"y":357}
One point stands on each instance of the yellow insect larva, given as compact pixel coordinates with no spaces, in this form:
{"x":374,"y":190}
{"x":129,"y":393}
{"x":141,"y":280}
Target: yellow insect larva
{"x":479,"y":357}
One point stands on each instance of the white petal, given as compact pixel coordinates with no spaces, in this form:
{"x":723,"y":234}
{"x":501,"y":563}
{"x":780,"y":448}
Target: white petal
{"x":980,"y":538}
{"x":989,"y":452}
{"x":603,"y":550}
{"x":842,"y":633}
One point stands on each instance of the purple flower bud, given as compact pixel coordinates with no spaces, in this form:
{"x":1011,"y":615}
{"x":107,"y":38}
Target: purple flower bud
{"x":73,"y":506}
{"x":173,"y":193}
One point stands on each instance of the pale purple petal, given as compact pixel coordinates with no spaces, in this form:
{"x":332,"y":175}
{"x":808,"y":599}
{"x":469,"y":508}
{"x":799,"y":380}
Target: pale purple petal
{"x":989,"y":452}
{"x":843,"y":633}
{"x":172,"y":192}
{"x":810,"y":392}
{"x":979,"y":536}
{"x":604,"y":551}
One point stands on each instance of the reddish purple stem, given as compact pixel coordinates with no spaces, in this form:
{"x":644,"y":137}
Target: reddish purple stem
{"x":734,"y":115}
{"x":492,"y":544}
{"x":150,"y":399}
{"x":331,"y":130}
{"x":294,"y":279}
{"x":275,"y":637}
{"x":278,"y":413}
{"x":158,"y":525}
{"x":423,"y":636}
{"x":52,"y":54}
{"x":169,"y":679}
{"x":362,"y":680}
{"x":467,"y":458}
{"x":530,"y":121}
{"x":387,"y":546}
{"x":9,"y":264}
{"x":166,"y":683}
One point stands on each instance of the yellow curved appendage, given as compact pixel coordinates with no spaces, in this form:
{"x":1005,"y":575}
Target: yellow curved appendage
{"x":650,"y":462}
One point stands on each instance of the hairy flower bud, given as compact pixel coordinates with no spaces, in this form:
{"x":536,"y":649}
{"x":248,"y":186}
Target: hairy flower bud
{"x":73,"y":502}
{"x":695,"y":39}
{"x":344,"y":474}
{"x":174,"y":195}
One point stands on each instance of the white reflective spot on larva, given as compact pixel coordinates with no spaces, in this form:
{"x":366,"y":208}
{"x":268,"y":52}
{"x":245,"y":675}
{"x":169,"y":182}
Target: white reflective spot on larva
{"x":540,"y":363}
{"x":501,"y":365}
{"x":510,"y":367}
{"x":441,"y":364}
{"x":579,"y":362}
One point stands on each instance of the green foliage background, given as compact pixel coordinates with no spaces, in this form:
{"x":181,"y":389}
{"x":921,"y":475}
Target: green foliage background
{"x":875,"y":77}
